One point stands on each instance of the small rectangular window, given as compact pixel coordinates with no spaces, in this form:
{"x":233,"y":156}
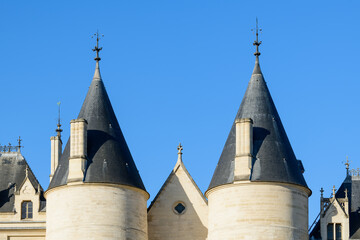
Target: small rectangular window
{"x":26,"y":210}
{"x":330,"y":231}
{"x":23,"y":211}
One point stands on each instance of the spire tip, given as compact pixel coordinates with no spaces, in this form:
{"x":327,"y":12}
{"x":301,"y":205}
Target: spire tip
{"x":58,"y":129}
{"x":257,"y":43}
{"x":96,"y":48}
{"x":180,"y":148}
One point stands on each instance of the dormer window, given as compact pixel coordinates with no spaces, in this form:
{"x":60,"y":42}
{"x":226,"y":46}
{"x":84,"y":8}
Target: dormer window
{"x":26,"y":210}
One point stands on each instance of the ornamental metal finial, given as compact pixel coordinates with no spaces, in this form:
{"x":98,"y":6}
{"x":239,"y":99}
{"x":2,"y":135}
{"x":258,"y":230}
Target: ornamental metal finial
{"x":347,"y":164}
{"x":97,"y":49}
{"x":322,"y":192}
{"x":19,"y":144}
{"x":59,"y":130}
{"x":256,"y":42}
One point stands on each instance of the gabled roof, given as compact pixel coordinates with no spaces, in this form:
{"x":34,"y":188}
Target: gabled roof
{"x":179,"y":164}
{"x":274,"y":159}
{"x":108,"y":157}
{"x":12,"y":175}
{"x":352,"y":184}
{"x":335,"y":203}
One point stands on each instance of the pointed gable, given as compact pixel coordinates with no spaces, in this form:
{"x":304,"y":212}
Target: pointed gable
{"x":179,"y":211}
{"x":274,"y":159}
{"x":352,"y":185}
{"x":13,"y":176}
{"x":109,"y":158}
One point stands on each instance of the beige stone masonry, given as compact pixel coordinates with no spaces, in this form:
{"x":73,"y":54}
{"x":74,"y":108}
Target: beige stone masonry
{"x":56,"y":151}
{"x":11,"y":224}
{"x":78,"y":150}
{"x":244,"y":149}
{"x":93,"y":211}
{"x":167,"y":224}
{"x":336,"y":212}
{"x":258,"y":211}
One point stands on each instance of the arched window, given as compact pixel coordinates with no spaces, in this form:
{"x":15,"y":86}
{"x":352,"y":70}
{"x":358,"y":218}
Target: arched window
{"x":26,"y":210}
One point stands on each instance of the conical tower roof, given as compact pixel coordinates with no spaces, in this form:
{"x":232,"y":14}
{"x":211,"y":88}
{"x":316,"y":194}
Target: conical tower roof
{"x":274,"y":159}
{"x":108,"y":157}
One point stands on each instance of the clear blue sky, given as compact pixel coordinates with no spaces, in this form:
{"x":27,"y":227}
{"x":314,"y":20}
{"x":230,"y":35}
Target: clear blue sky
{"x":177,"y":71}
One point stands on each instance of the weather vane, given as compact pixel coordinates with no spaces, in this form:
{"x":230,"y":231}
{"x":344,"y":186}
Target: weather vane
{"x":256,"y":42}
{"x":97,"y":49}
{"x":347,"y":164}
{"x":59,"y":130}
{"x":19,"y":141}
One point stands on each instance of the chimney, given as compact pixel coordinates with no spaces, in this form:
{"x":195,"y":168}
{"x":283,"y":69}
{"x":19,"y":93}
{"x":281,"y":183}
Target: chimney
{"x":244,"y":149}
{"x":78,"y":150}
{"x":56,"y":151}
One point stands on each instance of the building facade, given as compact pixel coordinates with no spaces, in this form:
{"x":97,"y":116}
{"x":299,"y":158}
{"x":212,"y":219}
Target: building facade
{"x":339,"y":216}
{"x":96,"y":191}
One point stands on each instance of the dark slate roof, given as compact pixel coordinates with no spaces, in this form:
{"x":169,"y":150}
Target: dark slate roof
{"x":352,"y":184}
{"x":315,"y":233}
{"x":13,"y":172}
{"x":274,"y":159}
{"x":109,"y":158}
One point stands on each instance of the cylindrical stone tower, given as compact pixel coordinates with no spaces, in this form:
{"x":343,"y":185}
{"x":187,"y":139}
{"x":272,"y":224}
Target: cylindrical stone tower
{"x":258,"y":190}
{"x":96,"y":191}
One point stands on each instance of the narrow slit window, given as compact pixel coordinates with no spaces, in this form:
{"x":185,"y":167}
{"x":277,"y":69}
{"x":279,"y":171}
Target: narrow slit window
{"x":330,"y":231}
{"x":338,"y":231}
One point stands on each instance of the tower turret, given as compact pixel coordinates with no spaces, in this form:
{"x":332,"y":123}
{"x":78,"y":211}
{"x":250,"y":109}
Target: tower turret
{"x":258,"y":190}
{"x":96,"y":191}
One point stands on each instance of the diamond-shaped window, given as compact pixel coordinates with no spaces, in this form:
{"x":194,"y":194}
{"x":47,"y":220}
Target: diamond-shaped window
{"x":179,"y":208}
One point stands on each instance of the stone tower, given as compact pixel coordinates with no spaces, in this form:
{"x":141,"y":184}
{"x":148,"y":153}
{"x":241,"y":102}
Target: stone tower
{"x":258,"y":190}
{"x":96,"y":191}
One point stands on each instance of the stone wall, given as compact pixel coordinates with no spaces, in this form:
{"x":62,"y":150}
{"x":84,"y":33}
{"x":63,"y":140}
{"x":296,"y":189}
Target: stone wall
{"x":12,"y":227}
{"x":88,"y":211}
{"x":165,"y":223}
{"x":256,"y":211}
